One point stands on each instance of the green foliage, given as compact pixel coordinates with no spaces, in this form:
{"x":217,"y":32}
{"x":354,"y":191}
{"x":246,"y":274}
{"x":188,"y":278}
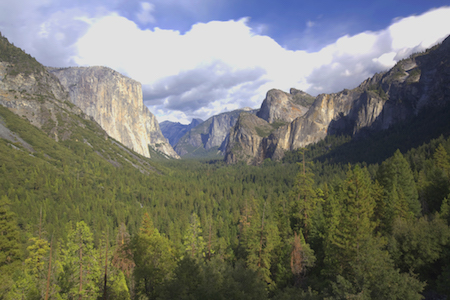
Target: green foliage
{"x":154,"y":260}
{"x":418,"y":244}
{"x":21,"y":63}
{"x":193,"y":239}
{"x":213,"y":280}
{"x":81,"y":265}
{"x":400,"y":193}
{"x":10,"y":247}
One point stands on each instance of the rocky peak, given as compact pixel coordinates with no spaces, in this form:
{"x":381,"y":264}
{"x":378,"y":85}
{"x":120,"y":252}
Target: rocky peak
{"x":210,"y":136}
{"x":422,"y":80}
{"x":246,"y":139}
{"x":115,"y":102}
{"x":279,"y":106}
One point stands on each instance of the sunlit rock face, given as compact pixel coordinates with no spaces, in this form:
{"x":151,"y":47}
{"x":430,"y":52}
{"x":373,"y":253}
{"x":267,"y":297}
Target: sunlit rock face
{"x":115,"y":102}
{"x":279,"y":106}
{"x":419,"y":82}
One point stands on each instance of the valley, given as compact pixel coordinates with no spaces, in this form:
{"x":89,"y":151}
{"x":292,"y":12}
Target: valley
{"x":338,"y":196}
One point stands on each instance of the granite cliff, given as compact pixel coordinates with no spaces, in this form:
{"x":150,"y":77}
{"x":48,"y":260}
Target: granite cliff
{"x":419,"y":82}
{"x":279,"y":106}
{"x":209,"y":138}
{"x":115,"y":102}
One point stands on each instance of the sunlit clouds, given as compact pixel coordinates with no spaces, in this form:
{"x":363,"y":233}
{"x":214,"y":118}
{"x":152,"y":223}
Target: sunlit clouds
{"x":214,"y":66}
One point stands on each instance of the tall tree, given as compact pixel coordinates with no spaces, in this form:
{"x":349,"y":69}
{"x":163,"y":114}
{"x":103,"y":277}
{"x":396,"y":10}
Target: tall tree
{"x":302,"y":256}
{"x":10,"y":253}
{"x":154,"y":259}
{"x":261,"y":241}
{"x":122,"y":256}
{"x":305,"y":202}
{"x":81,"y":265}
{"x":193,"y":238}
{"x":355,"y":224}
{"x":400,"y":192}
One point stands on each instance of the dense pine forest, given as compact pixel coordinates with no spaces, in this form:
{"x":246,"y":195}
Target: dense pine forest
{"x":314,"y":226}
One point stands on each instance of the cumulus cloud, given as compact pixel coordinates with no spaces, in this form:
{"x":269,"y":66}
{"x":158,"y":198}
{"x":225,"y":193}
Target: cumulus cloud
{"x":226,"y":65}
{"x":214,"y":66}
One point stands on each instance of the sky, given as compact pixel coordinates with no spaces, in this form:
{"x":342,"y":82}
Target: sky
{"x":198,"y":58}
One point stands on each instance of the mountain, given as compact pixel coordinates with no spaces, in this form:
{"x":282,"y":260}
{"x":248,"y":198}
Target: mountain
{"x":115,"y":102}
{"x":173,"y":131}
{"x":421,"y":82}
{"x":40,"y":125}
{"x":210,"y":137}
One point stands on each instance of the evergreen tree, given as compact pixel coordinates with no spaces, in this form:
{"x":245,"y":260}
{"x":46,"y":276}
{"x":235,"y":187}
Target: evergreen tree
{"x":262,"y":239}
{"x":442,"y":160}
{"x":154,"y":260}
{"x":400,"y":193}
{"x":193,"y":239}
{"x":122,"y":256}
{"x":305,"y":202}
{"x":81,"y":265}
{"x":302,"y":256}
{"x":10,"y":253}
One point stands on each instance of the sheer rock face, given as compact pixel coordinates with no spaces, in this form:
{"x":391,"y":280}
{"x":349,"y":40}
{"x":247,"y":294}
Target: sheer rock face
{"x":283,"y":107}
{"x":421,"y":81}
{"x":246,"y":142}
{"x":209,"y":135}
{"x":115,"y":102}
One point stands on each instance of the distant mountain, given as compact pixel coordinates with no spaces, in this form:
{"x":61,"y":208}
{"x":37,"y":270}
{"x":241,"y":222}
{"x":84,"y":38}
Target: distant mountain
{"x":115,"y":102}
{"x":173,"y":131}
{"x":209,"y":138}
{"x":421,"y":82}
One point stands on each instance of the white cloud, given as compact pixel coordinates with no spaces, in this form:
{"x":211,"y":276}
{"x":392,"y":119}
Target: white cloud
{"x":145,"y":15}
{"x":214,"y":66}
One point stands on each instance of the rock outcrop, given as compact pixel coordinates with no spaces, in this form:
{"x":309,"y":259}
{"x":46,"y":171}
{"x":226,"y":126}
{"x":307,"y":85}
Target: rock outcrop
{"x":421,"y":81}
{"x":279,"y":106}
{"x":37,"y":96}
{"x":115,"y":102}
{"x":210,"y":137}
{"x":174,"y":131}
{"x":246,"y":139}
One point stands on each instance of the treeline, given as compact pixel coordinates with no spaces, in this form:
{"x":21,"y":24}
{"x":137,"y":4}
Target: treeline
{"x":81,"y":227}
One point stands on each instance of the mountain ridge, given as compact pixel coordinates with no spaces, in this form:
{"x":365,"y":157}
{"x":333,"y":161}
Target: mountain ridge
{"x":419,"y":81}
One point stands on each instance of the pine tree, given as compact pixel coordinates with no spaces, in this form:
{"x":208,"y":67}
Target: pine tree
{"x":400,"y":192}
{"x":260,"y":243}
{"x":82,"y":268}
{"x":193,"y":238}
{"x":442,"y":160}
{"x":302,"y":256}
{"x":355,"y":225}
{"x":305,"y":202}
{"x":122,"y":256}
{"x":154,"y":259}
{"x":10,"y":253}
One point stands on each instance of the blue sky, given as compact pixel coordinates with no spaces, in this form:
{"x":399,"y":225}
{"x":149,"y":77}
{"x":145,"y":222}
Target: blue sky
{"x":197,"y":58}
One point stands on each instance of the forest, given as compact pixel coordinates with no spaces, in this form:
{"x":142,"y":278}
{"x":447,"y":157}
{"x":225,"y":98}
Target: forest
{"x":324,"y":223}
